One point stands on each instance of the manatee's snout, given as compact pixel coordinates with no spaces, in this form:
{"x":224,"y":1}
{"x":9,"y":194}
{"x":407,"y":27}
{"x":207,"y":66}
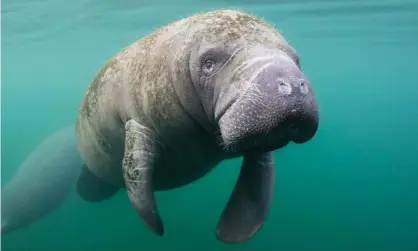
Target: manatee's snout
{"x":299,"y":110}
{"x":276,"y":105}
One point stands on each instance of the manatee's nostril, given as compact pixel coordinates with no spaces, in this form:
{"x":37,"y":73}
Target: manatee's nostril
{"x":284,"y":88}
{"x":304,"y":87}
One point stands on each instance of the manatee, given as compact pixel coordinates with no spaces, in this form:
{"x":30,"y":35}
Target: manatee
{"x":42,"y":182}
{"x":168,"y":108}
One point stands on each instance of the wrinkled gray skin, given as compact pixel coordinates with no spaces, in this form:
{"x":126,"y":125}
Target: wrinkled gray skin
{"x":42,"y":182}
{"x":168,"y":108}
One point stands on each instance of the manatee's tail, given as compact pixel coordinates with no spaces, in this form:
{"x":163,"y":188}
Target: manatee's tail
{"x":6,"y":228}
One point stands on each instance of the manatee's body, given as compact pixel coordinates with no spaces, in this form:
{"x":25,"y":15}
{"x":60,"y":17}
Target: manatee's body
{"x":42,"y":181}
{"x":168,"y":108}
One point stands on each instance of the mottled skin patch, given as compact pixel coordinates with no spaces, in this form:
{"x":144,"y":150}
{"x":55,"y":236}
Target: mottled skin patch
{"x":140,"y":83}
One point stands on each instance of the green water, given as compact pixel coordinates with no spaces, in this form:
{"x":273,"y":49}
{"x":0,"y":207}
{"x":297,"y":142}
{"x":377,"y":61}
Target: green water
{"x":353,"y":187}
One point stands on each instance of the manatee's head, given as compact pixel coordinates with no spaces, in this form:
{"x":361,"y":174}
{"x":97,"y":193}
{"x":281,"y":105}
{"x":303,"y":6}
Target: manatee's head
{"x":251,"y":85}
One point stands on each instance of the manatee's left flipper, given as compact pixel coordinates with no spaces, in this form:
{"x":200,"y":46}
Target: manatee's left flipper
{"x":141,"y":151}
{"x":249,"y":203}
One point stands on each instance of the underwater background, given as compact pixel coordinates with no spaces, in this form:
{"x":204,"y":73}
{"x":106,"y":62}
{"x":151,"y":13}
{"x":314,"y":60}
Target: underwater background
{"x":353,"y":187}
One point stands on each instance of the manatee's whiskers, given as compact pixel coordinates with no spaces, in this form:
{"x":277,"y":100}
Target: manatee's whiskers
{"x":228,"y":146}
{"x":255,"y":96}
{"x":221,"y":143}
{"x":218,"y":137}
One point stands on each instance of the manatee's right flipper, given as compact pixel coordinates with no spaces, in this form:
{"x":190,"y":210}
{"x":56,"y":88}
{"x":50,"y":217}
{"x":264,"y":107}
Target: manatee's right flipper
{"x":249,"y":203}
{"x":92,"y":188}
{"x":141,"y":151}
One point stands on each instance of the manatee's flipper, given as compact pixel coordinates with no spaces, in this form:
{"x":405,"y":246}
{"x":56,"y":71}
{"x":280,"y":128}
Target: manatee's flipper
{"x":93,"y":189}
{"x":249,"y":203}
{"x":141,"y":151}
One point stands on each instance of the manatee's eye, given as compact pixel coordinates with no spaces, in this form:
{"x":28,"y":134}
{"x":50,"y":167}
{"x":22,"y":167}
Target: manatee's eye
{"x":208,"y":66}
